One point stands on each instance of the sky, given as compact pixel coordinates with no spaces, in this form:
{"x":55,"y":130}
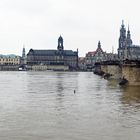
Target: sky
{"x":37,"y":24}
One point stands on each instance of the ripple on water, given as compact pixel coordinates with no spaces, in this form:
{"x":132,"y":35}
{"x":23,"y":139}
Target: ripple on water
{"x":43,"y":105}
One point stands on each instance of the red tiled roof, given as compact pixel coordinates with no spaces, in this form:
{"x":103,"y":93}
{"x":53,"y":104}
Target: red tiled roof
{"x":94,"y":52}
{"x":91,"y":53}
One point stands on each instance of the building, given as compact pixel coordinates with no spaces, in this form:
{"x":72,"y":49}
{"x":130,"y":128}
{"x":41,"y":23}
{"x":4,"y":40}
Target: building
{"x":58,"y":57}
{"x":23,"y":57}
{"x":111,"y":57}
{"x":126,"y":49}
{"x":82,"y":64}
{"x":10,"y":59}
{"x":95,"y":56}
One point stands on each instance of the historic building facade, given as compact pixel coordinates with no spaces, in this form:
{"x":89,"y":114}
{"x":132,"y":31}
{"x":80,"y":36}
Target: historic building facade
{"x":59,"y":57}
{"x":95,"y":56}
{"x":126,"y":48}
{"x":10,"y":60}
{"x":23,"y":57}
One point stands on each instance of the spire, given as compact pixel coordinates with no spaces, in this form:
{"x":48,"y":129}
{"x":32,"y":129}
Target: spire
{"x":60,"y":37}
{"x":112,"y":49}
{"x":123,"y":30}
{"x":128,"y":27}
{"x":128,"y":39}
{"x":122,"y":38}
{"x":128,"y":33}
{"x":99,"y":44}
{"x":23,"y":52}
{"x":122,"y":23}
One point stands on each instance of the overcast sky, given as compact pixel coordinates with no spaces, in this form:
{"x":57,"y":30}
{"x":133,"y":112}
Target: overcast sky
{"x":82,"y":23}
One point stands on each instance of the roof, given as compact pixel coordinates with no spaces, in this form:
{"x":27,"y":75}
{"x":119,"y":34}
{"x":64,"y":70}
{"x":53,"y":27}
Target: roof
{"x":60,"y":38}
{"x":52,"y":52}
{"x":91,"y":53}
{"x":9,"y":56}
{"x":69,"y":52}
{"x":94,"y":52}
{"x":99,"y":49}
{"x":43,"y":52}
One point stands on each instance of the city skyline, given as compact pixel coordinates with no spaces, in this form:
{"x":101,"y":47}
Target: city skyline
{"x":38,"y":24}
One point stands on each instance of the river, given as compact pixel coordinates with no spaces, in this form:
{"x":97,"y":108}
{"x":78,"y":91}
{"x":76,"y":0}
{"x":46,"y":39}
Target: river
{"x":67,"y":106}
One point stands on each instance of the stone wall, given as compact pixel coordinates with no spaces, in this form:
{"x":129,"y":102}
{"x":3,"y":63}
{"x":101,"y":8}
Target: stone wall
{"x":132,"y":74}
{"x":114,"y":70}
{"x":129,"y":72}
{"x":9,"y":67}
{"x":58,"y":67}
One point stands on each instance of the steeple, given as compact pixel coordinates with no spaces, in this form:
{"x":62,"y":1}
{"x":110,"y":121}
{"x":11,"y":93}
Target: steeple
{"x":128,"y":27}
{"x":23,"y":52}
{"x":128,"y":39}
{"x":60,"y":43}
{"x":122,"y":23}
{"x":128,"y":33}
{"x":122,"y":38}
{"x":99,"y":44}
{"x":23,"y":58}
{"x":112,"y":49}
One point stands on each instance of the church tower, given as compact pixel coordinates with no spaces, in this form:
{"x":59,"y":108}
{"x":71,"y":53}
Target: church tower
{"x":23,"y":58}
{"x":23,"y":52}
{"x":60,"y":46}
{"x":122,"y":38}
{"x":128,"y":39}
{"x":99,"y":45}
{"x":122,"y":42}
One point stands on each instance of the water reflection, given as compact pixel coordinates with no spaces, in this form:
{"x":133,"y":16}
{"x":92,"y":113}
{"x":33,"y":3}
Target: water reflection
{"x":131,"y":95}
{"x":59,"y":84}
{"x":112,"y":83}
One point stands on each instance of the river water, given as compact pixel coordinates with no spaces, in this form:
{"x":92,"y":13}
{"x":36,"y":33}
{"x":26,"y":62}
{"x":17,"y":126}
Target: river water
{"x":43,"y":106}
